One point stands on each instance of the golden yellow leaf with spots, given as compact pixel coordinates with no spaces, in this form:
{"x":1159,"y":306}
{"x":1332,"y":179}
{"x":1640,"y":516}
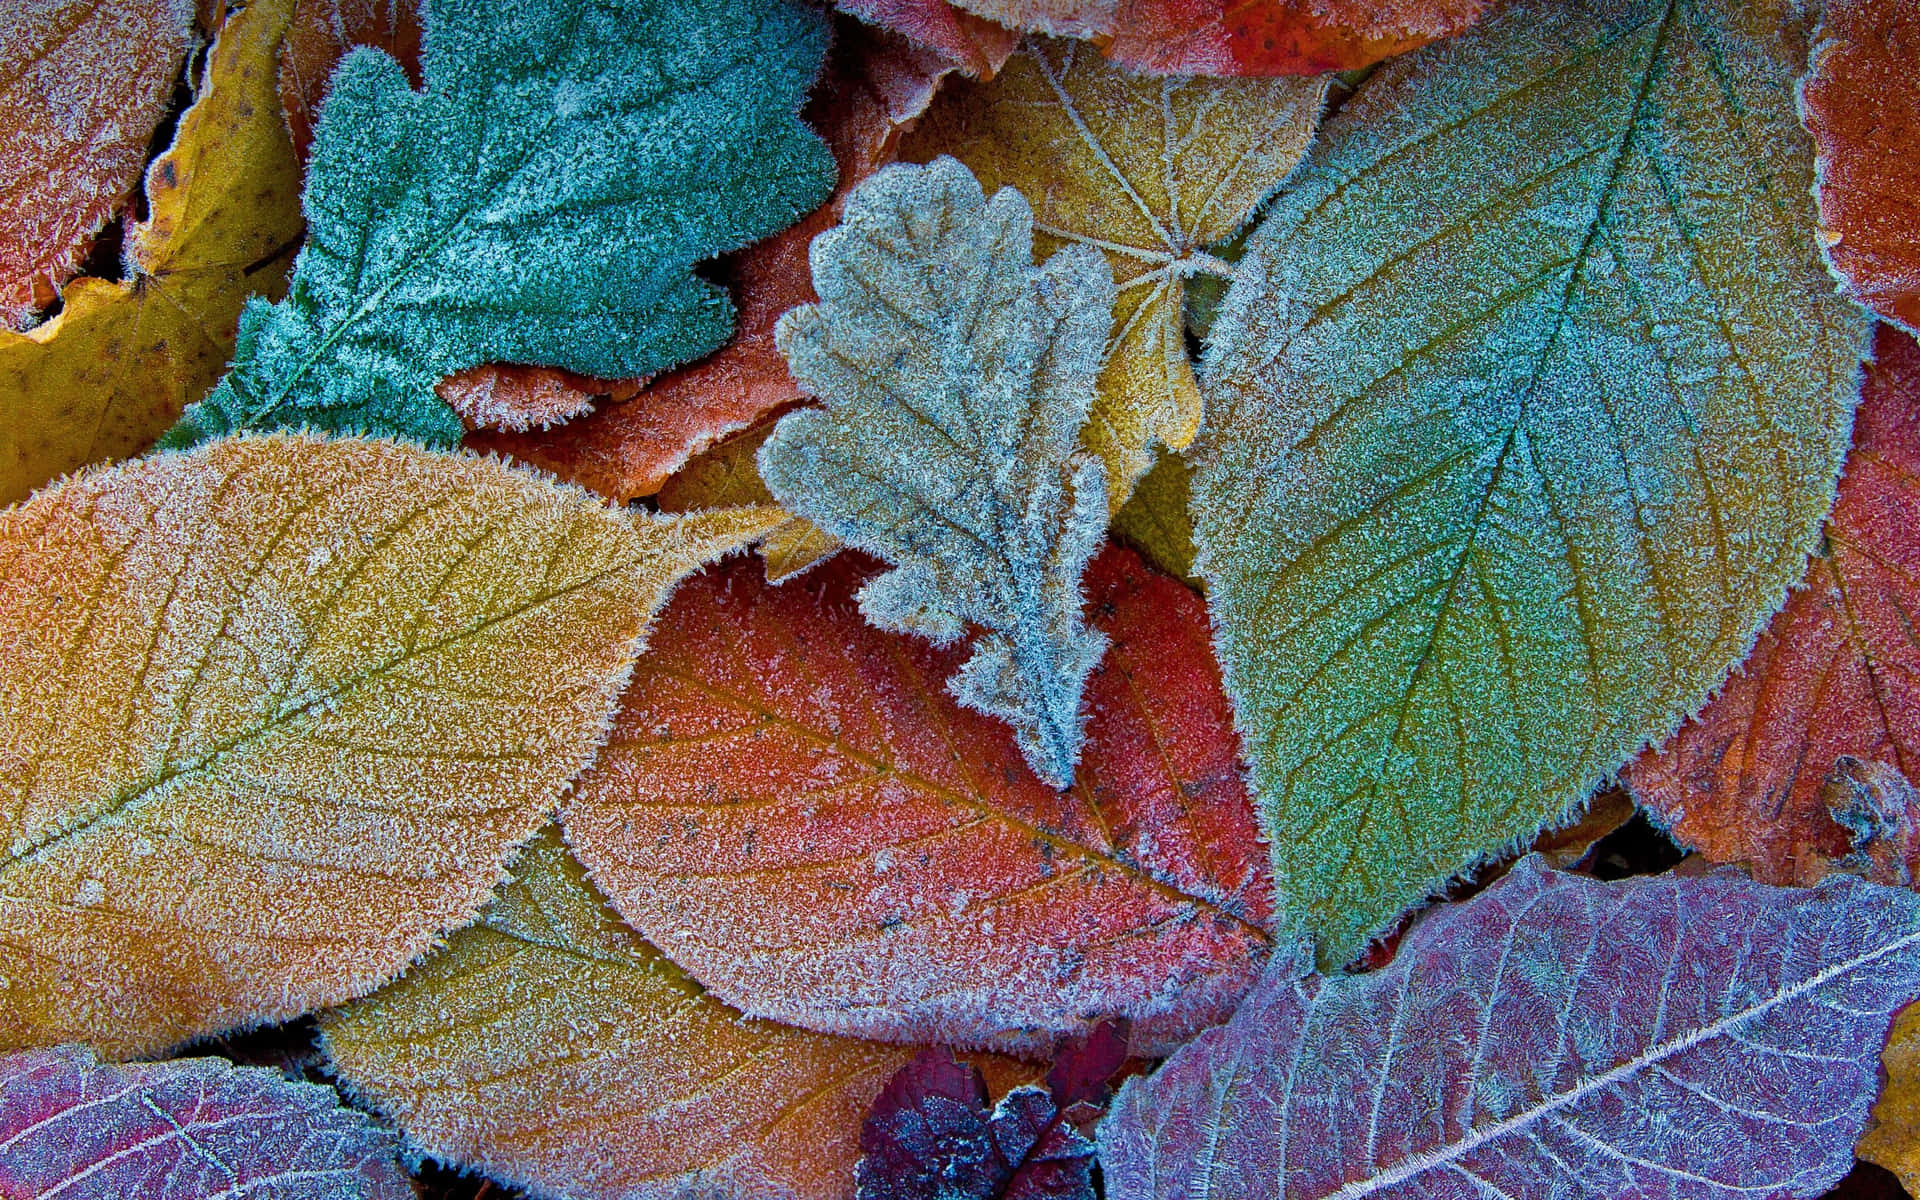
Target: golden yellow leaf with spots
{"x":1152,"y":171}
{"x":1893,"y":1140}
{"x":725,"y":475}
{"x":552,"y":1047}
{"x":273,"y":715}
{"x":121,"y":361}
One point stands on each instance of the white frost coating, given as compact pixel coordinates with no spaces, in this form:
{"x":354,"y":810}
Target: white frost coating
{"x":957,"y":377}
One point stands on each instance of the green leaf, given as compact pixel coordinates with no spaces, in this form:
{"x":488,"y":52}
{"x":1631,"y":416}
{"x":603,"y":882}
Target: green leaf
{"x":1528,"y":401}
{"x":541,"y":201}
{"x":957,"y":377}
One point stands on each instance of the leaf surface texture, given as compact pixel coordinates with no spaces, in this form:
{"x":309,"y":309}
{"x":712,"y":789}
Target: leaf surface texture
{"x":1496,"y":489}
{"x":792,"y":809}
{"x":542,"y":201}
{"x":1685,"y":1038}
{"x":276,"y":712}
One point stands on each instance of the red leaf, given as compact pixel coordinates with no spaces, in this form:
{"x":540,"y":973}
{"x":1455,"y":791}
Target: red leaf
{"x":83,"y":85}
{"x":875,"y":83}
{"x":974,"y":44}
{"x":793,"y":809}
{"x":1083,"y":1070}
{"x":1833,"y":675}
{"x":182,"y":1130}
{"x":930,"y":1137}
{"x":1687,"y":1038}
{"x":1862,"y":104}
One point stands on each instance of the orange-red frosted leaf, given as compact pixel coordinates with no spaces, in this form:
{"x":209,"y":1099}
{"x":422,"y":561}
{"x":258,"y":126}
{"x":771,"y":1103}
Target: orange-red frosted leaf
{"x":875,"y":83}
{"x":1862,"y":104}
{"x":274,"y":713}
{"x":83,"y":83}
{"x":551,"y":1047}
{"x":1196,"y":37}
{"x":976,"y":46}
{"x":1837,"y":672}
{"x":796,"y":812}
{"x":519,"y":398}
{"x":322,"y":31}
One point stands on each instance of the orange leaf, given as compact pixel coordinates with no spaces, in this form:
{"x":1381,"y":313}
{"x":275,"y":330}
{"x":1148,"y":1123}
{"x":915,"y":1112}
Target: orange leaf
{"x":274,"y":713}
{"x":550,"y":1047}
{"x":793,"y":809}
{"x":1862,"y":105}
{"x":875,"y":83}
{"x":975,"y":45}
{"x":1834,"y":674}
{"x":1191,"y":37}
{"x":82,"y":84}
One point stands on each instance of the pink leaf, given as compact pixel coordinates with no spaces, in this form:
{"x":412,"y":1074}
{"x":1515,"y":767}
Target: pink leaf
{"x":184,"y":1130}
{"x":1682,"y":1038}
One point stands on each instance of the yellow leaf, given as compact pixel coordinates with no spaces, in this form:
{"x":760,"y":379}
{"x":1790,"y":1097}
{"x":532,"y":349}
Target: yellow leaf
{"x":273,"y":714}
{"x":1893,"y":1141}
{"x":1151,"y":170}
{"x":551,"y":1047}
{"x":726,"y":474}
{"x":122,"y":359}
{"x":1154,"y":519}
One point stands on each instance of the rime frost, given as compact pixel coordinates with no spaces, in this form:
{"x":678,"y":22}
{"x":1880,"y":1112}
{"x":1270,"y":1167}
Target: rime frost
{"x":957,"y":377}
{"x":541,"y":201}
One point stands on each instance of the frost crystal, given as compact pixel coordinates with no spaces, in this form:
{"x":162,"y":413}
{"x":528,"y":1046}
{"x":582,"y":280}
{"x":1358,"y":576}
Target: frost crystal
{"x":957,"y":377}
{"x":541,"y":201}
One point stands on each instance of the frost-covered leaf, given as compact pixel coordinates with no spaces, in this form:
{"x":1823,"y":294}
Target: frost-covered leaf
{"x":542,"y":201}
{"x":191,"y":1129}
{"x":1687,"y":1038}
{"x":957,"y":377}
{"x":517,"y":399}
{"x":550,"y":1047}
{"x":115,"y":368}
{"x":1148,"y":170}
{"x":1524,"y":408}
{"x":83,"y":83}
{"x":1833,"y":676}
{"x":274,"y":713}
{"x":874,"y":85}
{"x":792,"y":809}
{"x":726,"y":475}
{"x":320,"y":33}
{"x":974,"y":44}
{"x":1193,"y":37}
{"x":1862,"y":103}
{"x":931,"y":1136}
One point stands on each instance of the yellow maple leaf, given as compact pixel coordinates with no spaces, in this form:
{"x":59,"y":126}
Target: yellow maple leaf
{"x":122,"y":359}
{"x":273,"y":714}
{"x":1151,"y":171}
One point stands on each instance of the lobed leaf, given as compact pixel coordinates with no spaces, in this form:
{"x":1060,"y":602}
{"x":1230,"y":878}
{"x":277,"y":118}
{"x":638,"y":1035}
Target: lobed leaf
{"x":274,"y":713}
{"x":1832,"y":677}
{"x":1691,"y":1038}
{"x":550,"y":1047}
{"x":956,"y":377}
{"x":121,"y":360}
{"x":1862,"y":104}
{"x":874,"y":85}
{"x":190,"y":1129}
{"x":1526,"y":404}
{"x":793,"y":811}
{"x":84,"y":84}
{"x":542,"y":201}
{"x":1149,"y":171}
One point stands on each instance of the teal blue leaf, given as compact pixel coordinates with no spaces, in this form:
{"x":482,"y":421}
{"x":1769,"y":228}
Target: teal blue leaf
{"x":1526,"y":404}
{"x":957,"y":377}
{"x":542,"y":200}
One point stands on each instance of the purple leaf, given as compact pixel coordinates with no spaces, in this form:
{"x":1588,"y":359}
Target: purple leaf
{"x":1687,"y":1038}
{"x":930,"y":1137}
{"x":1083,"y":1069}
{"x":192,"y":1129}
